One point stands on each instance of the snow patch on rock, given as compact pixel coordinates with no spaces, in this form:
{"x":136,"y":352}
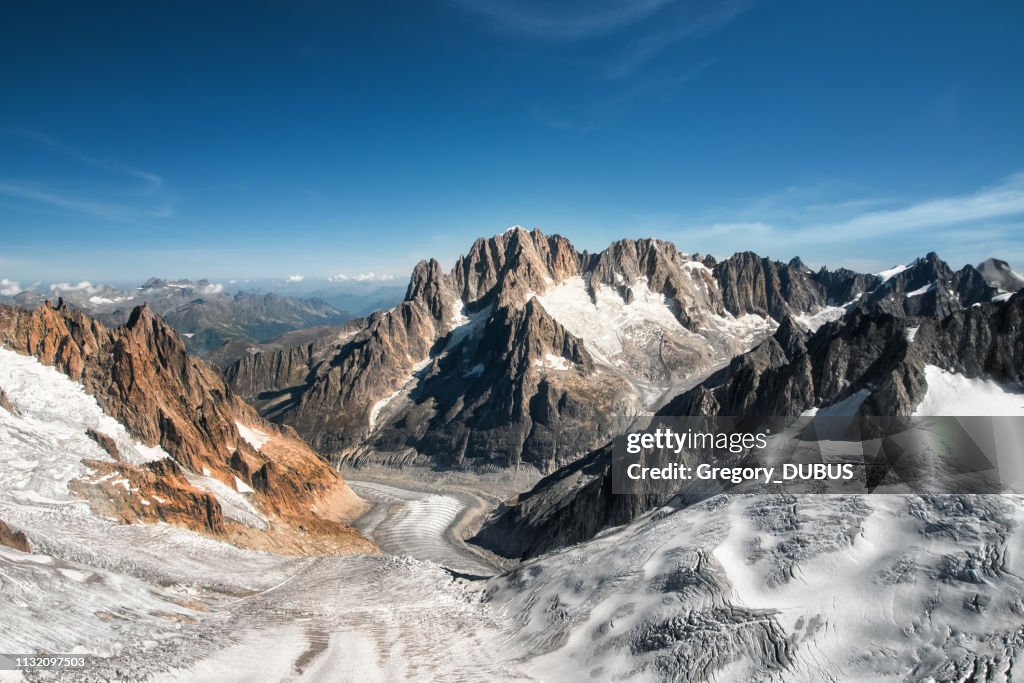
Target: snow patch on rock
{"x":252,"y":436}
{"x":606,"y":321}
{"x":953,"y":394}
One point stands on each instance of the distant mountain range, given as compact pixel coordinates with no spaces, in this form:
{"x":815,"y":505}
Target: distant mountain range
{"x":213,"y":322}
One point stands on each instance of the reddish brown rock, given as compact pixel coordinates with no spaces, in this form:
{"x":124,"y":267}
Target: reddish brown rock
{"x":13,"y":539}
{"x":142,"y":376}
{"x":155,"y":492}
{"x":105,"y":442}
{"x":6,"y":404}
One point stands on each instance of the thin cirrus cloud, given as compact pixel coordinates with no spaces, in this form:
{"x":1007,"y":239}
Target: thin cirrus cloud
{"x":630,"y":36}
{"x":151,"y":181}
{"x":130,"y":194}
{"x":1002,"y":200}
{"x":118,"y":213}
{"x":638,"y":30}
{"x":961,"y":226}
{"x":688,"y":23}
{"x":593,"y":117}
{"x":562,"y":21}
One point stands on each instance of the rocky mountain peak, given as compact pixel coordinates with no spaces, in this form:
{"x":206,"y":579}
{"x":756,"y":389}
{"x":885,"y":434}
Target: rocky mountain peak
{"x":429,"y":286}
{"x":797,"y":263}
{"x":659,"y":267}
{"x":527,"y":341}
{"x":507,"y":267}
{"x":928,"y":286}
{"x":752,"y":284}
{"x":1000,"y":275}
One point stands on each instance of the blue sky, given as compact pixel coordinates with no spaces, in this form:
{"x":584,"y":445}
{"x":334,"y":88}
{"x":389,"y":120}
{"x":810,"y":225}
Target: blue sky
{"x":266,"y":139}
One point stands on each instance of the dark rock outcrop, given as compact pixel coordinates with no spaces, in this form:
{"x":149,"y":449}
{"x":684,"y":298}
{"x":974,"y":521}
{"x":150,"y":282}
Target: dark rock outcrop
{"x":105,"y":442}
{"x":752,"y":284}
{"x":5,"y":403}
{"x":567,"y":507}
{"x":928,"y":287}
{"x":843,"y":286}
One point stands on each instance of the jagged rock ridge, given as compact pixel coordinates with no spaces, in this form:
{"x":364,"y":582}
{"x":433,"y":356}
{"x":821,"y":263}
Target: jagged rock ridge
{"x":494,"y":363}
{"x":142,"y":376}
{"x":469,"y":371}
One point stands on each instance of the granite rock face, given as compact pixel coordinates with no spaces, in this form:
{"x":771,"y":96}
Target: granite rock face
{"x":752,"y":284}
{"x":929,"y":287}
{"x":527,"y":352}
{"x":142,"y":376}
{"x":530,"y":352}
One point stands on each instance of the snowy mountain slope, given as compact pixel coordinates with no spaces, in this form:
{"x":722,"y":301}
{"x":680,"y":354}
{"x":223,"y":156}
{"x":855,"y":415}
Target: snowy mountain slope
{"x":738,"y":587}
{"x":146,"y":599}
{"x":950,"y":393}
{"x":91,"y":582}
{"x":770,"y":587}
{"x":966,"y":363}
{"x":215,"y":481}
{"x":43,"y":443}
{"x":641,"y":338}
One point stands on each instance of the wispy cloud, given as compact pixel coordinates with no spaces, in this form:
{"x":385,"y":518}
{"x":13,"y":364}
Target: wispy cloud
{"x":151,"y":181}
{"x":132,"y":194}
{"x":83,"y":286}
{"x":998,"y":201}
{"x":45,"y":195}
{"x":590,"y":117}
{"x":963,"y":227}
{"x":562,"y":21}
{"x":630,"y":34}
{"x":689,"y":22}
{"x":295,"y":278}
{"x":641,"y":28}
